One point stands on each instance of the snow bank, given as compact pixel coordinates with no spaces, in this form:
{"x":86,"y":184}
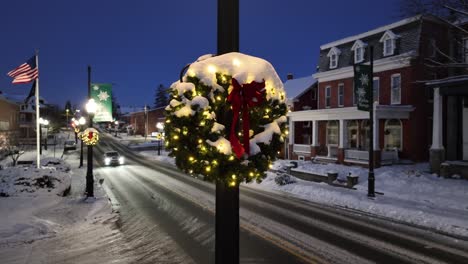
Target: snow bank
{"x":26,"y":180}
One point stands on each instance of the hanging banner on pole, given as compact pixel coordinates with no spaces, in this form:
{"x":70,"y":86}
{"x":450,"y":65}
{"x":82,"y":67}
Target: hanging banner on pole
{"x":363,"y":86}
{"x":102,"y":95}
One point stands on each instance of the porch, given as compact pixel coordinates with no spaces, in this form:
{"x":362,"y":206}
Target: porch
{"x":341,"y":135}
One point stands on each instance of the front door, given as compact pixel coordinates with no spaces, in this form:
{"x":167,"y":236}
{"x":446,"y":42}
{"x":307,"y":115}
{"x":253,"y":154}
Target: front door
{"x":465,"y":128}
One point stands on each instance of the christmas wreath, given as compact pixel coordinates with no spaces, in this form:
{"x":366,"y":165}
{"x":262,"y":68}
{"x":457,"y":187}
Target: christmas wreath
{"x":90,"y":136}
{"x":226,"y":119}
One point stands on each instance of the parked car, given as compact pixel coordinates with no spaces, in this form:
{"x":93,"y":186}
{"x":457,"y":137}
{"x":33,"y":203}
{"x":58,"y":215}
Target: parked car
{"x":69,"y":145}
{"x":113,"y":158}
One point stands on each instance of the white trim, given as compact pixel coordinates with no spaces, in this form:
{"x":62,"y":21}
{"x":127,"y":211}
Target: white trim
{"x":385,"y":64}
{"x":334,"y":53}
{"x":392,"y":101}
{"x":370,"y":33}
{"x":347,"y":113}
{"x":388,"y":35}
{"x":359,"y":45}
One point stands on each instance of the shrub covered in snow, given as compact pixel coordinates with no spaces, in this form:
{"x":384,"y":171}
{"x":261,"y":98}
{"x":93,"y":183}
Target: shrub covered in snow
{"x":284,"y":179}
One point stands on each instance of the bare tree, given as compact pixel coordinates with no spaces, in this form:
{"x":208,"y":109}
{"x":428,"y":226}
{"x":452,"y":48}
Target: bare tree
{"x":442,"y":8}
{"x":11,"y":145}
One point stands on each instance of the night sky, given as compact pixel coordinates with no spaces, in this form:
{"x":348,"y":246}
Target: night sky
{"x":138,"y":45}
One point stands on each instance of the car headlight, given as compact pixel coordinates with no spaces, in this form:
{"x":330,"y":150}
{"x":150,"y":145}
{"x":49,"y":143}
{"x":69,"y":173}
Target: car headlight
{"x":121,"y":160}
{"x":107,"y":161}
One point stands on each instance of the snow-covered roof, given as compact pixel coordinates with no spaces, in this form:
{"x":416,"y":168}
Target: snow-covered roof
{"x":371,"y":32}
{"x":296,"y":87}
{"x":448,"y":81}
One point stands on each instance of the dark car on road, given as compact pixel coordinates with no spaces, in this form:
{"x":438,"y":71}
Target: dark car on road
{"x":69,"y":145}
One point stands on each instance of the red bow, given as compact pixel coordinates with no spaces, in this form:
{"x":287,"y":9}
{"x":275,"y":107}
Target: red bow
{"x":241,"y":98}
{"x":90,"y":135}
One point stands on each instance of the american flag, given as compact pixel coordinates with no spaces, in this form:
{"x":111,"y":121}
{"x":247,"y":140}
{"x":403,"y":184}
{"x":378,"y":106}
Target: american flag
{"x":25,"y":73}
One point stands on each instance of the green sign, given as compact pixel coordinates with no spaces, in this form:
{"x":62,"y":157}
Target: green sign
{"x":102,"y":94}
{"x":363,"y":86}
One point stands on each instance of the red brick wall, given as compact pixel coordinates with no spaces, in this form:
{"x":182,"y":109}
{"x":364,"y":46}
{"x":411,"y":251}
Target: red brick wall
{"x":308,"y":99}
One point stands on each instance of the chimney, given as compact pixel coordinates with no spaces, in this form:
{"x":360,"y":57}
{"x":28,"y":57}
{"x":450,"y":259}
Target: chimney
{"x":290,"y":76}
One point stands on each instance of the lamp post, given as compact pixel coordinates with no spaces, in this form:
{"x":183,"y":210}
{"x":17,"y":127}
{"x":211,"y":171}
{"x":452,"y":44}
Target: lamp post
{"x":81,"y":123}
{"x":74,"y":125}
{"x":160,"y":127}
{"x":146,"y":122}
{"x":46,"y":124}
{"x":91,"y":109}
{"x":67,"y":112}
{"x":116,"y":127}
{"x":42,"y":122}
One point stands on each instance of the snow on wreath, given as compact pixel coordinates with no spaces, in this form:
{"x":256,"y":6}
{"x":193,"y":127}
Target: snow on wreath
{"x":227,"y":118}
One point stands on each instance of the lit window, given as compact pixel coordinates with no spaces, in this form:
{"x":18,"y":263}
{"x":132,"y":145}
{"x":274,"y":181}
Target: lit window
{"x":396,"y":89}
{"x":332,"y":133}
{"x":327,"y":96}
{"x":393,"y":134}
{"x":340,"y":94}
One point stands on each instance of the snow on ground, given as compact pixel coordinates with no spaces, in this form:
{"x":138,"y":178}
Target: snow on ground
{"x":39,"y":225}
{"x":409,"y":193}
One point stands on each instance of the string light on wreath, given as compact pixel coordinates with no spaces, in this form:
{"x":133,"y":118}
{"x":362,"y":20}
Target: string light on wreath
{"x":226,"y":118}
{"x":90,"y":136}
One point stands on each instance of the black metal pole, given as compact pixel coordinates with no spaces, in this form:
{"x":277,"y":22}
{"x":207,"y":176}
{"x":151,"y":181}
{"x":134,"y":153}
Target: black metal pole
{"x":227,"y":197}
{"x":371,"y":179}
{"x":89,"y":172}
{"x":81,"y":153}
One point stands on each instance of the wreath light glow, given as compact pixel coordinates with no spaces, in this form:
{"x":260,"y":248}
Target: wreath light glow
{"x":90,"y":136}
{"x":227,"y":118}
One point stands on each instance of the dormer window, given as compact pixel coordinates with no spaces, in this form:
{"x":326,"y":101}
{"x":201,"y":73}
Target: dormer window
{"x":358,"y":48}
{"x":334,"y":54}
{"x":388,"y":41}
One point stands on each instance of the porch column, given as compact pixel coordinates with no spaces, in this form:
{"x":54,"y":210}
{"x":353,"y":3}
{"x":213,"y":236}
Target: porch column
{"x":437,"y":152}
{"x":343,"y":141}
{"x":315,"y":145}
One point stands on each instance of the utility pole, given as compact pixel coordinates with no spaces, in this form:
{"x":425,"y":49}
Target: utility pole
{"x":227,"y":197}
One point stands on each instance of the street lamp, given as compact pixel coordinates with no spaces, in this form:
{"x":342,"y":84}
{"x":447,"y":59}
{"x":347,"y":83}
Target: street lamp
{"x":116,"y":127}
{"x":81,"y":123}
{"x":160,"y":127}
{"x":74,"y":125}
{"x":68,"y":122}
{"x":42,"y":122}
{"x":91,"y":109}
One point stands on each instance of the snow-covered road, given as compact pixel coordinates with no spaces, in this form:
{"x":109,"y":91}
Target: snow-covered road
{"x":179,"y":211}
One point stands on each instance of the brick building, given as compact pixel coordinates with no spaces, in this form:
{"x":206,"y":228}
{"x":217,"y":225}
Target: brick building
{"x":141,"y":120}
{"x":334,"y":130}
{"x":9,"y":120}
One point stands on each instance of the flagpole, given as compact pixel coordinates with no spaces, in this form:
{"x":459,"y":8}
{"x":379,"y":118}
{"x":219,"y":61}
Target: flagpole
{"x":37,"y":114}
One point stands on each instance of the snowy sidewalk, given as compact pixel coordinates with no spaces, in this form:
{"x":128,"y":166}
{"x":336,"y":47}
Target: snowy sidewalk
{"x":42,"y":227}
